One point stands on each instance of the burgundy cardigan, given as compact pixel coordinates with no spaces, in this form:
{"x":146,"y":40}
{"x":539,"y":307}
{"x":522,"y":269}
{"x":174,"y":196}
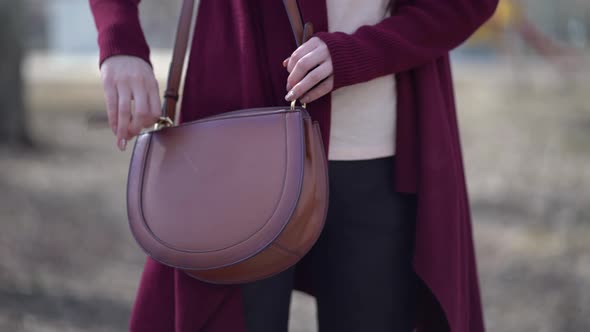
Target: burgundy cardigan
{"x":235,"y":62}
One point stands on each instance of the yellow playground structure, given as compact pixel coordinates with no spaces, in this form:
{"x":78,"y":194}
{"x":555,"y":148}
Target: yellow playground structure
{"x":510,"y":20}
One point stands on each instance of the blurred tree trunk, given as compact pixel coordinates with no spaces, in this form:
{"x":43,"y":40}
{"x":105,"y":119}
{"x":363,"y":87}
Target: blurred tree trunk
{"x":13,"y":124}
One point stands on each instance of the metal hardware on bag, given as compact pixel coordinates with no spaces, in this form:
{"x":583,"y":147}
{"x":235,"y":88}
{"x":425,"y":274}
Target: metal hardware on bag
{"x":304,"y":105}
{"x":163,"y":122}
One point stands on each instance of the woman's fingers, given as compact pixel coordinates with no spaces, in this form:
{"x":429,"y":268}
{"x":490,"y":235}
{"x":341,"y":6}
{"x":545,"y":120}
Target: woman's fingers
{"x":155,"y":104}
{"x":301,"y":51}
{"x":145,"y":107}
{"x":140,"y":114}
{"x":112,"y":103}
{"x":305,"y":64}
{"x":126,"y":79}
{"x":309,"y":65}
{"x":319,"y":91}
{"x":310,"y":80}
{"x":124,"y":115}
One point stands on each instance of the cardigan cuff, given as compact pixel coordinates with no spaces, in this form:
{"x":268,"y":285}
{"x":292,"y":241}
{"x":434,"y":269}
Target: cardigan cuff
{"x":352,"y":62}
{"x":123,"y":39}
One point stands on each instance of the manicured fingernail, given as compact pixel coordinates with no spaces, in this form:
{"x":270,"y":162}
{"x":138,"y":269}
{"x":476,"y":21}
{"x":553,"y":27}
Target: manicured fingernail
{"x":289,"y":96}
{"x":122,"y":144}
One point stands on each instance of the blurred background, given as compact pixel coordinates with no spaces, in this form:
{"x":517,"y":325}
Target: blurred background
{"x":69,"y":263}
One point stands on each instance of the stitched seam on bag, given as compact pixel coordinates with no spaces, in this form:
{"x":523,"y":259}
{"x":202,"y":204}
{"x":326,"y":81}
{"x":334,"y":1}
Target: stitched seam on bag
{"x":284,"y":249}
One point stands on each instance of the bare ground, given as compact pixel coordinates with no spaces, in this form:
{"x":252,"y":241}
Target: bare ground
{"x":68,"y":262}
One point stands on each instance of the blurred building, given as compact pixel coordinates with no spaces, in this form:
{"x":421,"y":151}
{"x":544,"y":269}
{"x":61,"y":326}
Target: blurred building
{"x":568,"y":21}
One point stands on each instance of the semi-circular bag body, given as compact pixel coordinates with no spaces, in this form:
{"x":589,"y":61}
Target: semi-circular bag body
{"x":231,"y":198}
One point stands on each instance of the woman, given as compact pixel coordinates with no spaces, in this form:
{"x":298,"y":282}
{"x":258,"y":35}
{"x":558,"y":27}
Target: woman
{"x":381,"y":88}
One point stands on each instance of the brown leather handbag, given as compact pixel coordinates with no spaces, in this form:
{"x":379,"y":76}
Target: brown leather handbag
{"x":234,"y":197}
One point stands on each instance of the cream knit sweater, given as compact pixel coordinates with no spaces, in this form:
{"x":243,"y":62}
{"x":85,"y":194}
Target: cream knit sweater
{"x":363,"y":116}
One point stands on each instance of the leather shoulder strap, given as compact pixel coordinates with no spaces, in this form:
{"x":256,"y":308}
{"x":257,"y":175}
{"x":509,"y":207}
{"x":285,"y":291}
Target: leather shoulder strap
{"x":178,"y":55}
{"x":301,"y":33}
{"x":295,"y":19}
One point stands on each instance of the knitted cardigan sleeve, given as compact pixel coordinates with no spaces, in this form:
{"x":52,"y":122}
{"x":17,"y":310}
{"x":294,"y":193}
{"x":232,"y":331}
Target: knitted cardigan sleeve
{"x":119,"y":29}
{"x":418,"y":32}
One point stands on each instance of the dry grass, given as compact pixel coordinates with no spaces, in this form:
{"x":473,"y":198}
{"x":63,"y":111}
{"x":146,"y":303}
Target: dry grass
{"x":68,"y":262}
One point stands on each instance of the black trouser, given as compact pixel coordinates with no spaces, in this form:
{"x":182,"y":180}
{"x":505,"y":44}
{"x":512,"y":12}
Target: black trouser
{"x":362,"y":269}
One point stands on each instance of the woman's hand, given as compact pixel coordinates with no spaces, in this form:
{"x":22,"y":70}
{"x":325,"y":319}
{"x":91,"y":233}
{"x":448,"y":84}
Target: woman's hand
{"x":311,"y":71}
{"x":126,"y":79}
